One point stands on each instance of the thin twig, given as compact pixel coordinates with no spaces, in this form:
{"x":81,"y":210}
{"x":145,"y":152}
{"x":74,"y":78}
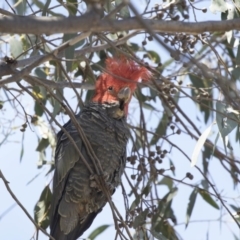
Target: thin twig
{"x":6,"y":183}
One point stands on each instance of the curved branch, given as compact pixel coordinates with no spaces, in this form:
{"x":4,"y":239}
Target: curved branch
{"x":21,"y":206}
{"x":7,"y":69}
{"x":52,"y":84}
{"x":91,"y":22}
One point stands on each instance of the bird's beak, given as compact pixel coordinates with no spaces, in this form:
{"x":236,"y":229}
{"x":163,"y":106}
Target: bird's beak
{"x":124,"y":95}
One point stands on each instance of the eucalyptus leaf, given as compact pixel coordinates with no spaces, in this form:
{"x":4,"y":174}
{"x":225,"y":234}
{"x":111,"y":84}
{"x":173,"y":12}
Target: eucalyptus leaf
{"x":98,"y":231}
{"x":226,"y":118}
{"x":158,"y":235}
{"x":72,"y":6}
{"x":218,"y":6}
{"x":69,"y":52}
{"x":20,"y":6}
{"x":42,"y":208}
{"x":124,"y":12}
{"x":160,"y":130}
{"x":45,"y":8}
{"x":207,"y":197}
{"x":166,"y":181}
{"x":22,"y":147}
{"x":191,"y":204}
{"x":236,"y":209}
{"x":43,"y":144}
{"x":16,"y":47}
{"x":135,"y":203}
{"x":154,"y":56}
{"x":140,"y":219}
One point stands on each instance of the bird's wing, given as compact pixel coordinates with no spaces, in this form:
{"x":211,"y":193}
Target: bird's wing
{"x":66,"y":157}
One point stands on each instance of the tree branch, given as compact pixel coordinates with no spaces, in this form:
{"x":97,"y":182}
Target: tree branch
{"x":7,"y":69}
{"x":21,"y":206}
{"x":52,"y":84}
{"x":91,"y":22}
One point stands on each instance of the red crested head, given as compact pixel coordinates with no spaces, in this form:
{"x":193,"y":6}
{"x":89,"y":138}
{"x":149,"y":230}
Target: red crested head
{"x":119,"y":81}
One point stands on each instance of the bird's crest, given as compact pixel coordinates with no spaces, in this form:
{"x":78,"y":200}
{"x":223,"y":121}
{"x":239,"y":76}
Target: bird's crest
{"x":120,"y":73}
{"x":126,"y":71}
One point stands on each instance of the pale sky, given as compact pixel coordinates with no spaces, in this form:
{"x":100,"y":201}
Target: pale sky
{"x":16,"y":226}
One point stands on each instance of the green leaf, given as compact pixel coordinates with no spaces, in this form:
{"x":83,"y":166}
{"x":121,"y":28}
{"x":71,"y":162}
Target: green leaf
{"x":20,"y":6}
{"x":153,"y":94}
{"x":40,"y":94}
{"x":140,"y":219}
{"x":172,"y":165}
{"x":206,"y":155}
{"x":134,"y":46}
{"x":39,"y":4}
{"x":234,"y":174}
{"x":196,"y":81}
{"x":191,"y":203}
{"x":45,"y":8}
{"x":226,"y":119}
{"x":166,"y":181}
{"x":39,"y":109}
{"x":137,"y":144}
{"x":69,"y":52}
{"x":158,"y":235}
{"x":236,"y":70}
{"x":237,"y":209}
{"x":135,"y":203}
{"x":72,"y":6}
{"x":16,"y":47}
{"x":146,"y":190}
{"x":148,"y":106}
{"x":45,"y":132}
{"x":238,"y":134}
{"x":218,"y":6}
{"x":40,"y":73}
{"x":124,"y":12}
{"x":232,"y":11}
{"x":207,"y":197}
{"x":154,"y":56}
{"x":98,"y":231}
{"x":159,"y":220}
{"x":164,"y":229}
{"x":22,"y":147}
{"x":236,"y":73}
{"x":164,"y":207}
{"x":108,"y":6}
{"x":167,"y":199}
{"x":160,"y":130}
{"x":43,"y":144}
{"x":41,"y":159}
{"x":56,"y":104}
{"x":201,"y":83}
{"x":141,"y":234}
{"x":42,"y":208}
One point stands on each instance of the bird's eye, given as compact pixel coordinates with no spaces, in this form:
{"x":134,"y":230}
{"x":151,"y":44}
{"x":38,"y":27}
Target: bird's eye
{"x":110,"y":88}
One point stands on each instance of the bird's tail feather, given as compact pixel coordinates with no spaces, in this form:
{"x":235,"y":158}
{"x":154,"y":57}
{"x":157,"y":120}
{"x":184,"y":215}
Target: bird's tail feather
{"x":77,"y":231}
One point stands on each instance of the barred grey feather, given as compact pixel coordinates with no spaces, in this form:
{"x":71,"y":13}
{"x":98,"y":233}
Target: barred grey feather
{"x":76,"y":198}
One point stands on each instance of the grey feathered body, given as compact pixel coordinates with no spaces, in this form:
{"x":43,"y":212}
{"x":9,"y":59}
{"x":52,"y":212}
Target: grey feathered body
{"x":76,"y":197}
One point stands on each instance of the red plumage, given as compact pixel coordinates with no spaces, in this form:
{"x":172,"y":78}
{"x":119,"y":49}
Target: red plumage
{"x":120,"y":72}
